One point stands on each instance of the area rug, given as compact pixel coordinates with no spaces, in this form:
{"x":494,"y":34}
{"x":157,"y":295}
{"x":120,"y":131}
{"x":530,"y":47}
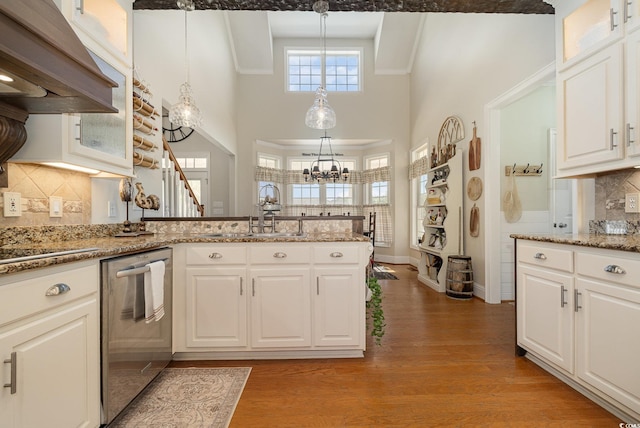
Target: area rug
{"x":187,"y":398}
{"x":383,"y":272}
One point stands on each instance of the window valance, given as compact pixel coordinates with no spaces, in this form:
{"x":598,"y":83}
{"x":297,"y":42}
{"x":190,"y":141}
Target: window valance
{"x":418,"y":167}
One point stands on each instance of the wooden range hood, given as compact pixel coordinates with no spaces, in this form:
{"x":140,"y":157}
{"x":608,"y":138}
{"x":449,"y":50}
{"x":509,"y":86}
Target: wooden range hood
{"x":52,"y":70}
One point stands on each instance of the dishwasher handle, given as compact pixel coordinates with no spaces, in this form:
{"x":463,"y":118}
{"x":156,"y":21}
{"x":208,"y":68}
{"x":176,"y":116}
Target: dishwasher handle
{"x":136,"y":270}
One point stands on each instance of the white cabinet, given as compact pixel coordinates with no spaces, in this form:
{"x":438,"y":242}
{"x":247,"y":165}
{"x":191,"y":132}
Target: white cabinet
{"x":50,"y":348}
{"x":250,"y":300}
{"x":215,"y":297}
{"x":591,"y":124}
{"x":98,"y":141}
{"x":216,"y":307}
{"x":547,"y":332}
{"x":338,"y":297}
{"x":443,"y":222}
{"x":578,"y":312}
{"x":280,"y":307}
{"x":598,"y":90}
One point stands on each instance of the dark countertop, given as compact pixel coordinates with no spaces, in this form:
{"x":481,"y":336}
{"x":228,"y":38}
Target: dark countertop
{"x":629,"y":243}
{"x":112,"y":246}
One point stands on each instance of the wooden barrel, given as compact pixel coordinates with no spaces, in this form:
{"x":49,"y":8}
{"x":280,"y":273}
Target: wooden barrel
{"x":459,"y":277}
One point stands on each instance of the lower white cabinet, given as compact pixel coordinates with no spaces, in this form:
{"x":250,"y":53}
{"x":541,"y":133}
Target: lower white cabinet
{"x":337,"y":314}
{"x":280,"y":308}
{"x":578,"y":312}
{"x":49,"y":346}
{"x":260,"y":300}
{"x":217,"y":307}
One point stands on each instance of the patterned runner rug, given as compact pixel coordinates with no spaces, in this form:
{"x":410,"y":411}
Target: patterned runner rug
{"x":187,"y":398}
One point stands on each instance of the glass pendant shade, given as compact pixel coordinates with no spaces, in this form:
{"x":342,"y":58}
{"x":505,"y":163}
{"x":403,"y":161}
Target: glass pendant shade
{"x":185,"y":112}
{"x":320,"y":115}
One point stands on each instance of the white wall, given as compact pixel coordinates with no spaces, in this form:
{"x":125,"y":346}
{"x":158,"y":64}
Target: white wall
{"x":464,"y":62}
{"x":381,"y":112}
{"x":159,"y":58}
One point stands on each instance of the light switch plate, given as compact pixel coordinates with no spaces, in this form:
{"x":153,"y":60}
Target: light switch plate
{"x":55,"y":206}
{"x":12,"y":204}
{"x":632,"y":203}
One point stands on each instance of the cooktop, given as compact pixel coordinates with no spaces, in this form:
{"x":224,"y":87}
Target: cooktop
{"x":15,"y":255}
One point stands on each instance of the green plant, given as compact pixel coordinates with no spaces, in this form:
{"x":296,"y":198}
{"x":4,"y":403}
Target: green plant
{"x":374,"y":310}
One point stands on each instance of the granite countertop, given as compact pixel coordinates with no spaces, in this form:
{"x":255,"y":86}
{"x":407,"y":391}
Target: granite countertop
{"x":110,"y":246}
{"x":611,"y":242}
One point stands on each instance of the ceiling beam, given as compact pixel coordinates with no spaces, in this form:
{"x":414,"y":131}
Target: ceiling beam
{"x":463,"y":6}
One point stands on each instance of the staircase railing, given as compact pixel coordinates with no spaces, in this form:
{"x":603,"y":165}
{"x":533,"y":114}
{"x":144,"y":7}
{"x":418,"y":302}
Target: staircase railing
{"x":180,"y":200}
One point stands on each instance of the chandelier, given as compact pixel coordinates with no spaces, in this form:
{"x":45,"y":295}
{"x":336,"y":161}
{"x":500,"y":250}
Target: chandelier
{"x":185,"y":112}
{"x":336,"y":170}
{"x":320,"y":115}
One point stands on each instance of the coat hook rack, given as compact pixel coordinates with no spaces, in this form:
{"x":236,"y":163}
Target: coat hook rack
{"x":523,"y":170}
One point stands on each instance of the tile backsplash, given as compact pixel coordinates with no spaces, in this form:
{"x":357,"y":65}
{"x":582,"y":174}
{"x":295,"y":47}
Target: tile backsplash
{"x":36,"y":183}
{"x":610,"y":192}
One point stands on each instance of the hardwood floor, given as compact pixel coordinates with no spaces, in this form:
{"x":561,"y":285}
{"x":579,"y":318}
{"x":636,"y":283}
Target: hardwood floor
{"x":442,"y":363}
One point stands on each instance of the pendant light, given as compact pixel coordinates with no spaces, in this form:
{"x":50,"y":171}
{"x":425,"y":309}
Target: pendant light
{"x":335,"y":173}
{"x":185,"y":112}
{"x":321,"y":115}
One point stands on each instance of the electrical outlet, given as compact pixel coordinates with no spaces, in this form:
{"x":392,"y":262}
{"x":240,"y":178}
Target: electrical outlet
{"x":12,"y":204}
{"x":55,"y":206}
{"x":632,"y":203}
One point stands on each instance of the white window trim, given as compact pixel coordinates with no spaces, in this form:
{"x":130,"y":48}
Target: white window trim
{"x":331,"y":51}
{"x":415,"y":182}
{"x":368,"y":187}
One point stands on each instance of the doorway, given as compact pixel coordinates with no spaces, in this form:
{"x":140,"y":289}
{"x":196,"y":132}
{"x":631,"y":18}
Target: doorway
{"x":537,"y":193}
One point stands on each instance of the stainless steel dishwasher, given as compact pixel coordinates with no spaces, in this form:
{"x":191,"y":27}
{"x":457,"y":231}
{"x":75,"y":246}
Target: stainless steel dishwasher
{"x":133,"y":352}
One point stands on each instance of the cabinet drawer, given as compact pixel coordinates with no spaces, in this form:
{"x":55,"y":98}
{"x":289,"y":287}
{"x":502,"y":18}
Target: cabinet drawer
{"x":611,"y":267}
{"x":216,"y":255}
{"x":335,"y":254}
{"x":284,"y":254}
{"x":544,"y":255}
{"x":27,"y":294}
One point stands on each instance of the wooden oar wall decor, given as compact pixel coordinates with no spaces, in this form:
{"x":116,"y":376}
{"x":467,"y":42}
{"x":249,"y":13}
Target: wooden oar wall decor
{"x":144,"y":116}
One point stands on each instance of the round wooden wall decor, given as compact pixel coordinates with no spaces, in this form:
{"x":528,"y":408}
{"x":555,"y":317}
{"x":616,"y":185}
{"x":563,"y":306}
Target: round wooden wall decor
{"x":474,"y":188}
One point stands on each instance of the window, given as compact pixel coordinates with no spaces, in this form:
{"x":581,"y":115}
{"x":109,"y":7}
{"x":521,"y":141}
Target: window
{"x":418,"y":196}
{"x":325,"y":192}
{"x":378,"y":192}
{"x":341,"y":71}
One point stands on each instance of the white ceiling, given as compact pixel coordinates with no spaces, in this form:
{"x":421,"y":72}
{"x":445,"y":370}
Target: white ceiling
{"x":395,"y":36}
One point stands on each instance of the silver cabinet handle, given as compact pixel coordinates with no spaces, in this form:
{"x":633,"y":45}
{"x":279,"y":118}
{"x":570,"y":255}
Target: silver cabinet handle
{"x":336,"y":255}
{"x":317,"y":285}
{"x":14,"y":370}
{"x":629,"y":139}
{"x":215,"y":256}
{"x":612,"y":15}
{"x":626,"y":11}
{"x":612,"y":134}
{"x":57,"y":289}
{"x":540,"y":256}
{"x":280,"y":255}
{"x":241,"y":286}
{"x":562,"y":294}
{"x":80,"y":6}
{"x":576,"y":300}
{"x":253,"y":287}
{"x":615,"y":269}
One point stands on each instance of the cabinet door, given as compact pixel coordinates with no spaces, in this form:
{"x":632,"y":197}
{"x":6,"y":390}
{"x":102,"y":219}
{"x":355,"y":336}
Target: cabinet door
{"x":216,"y":307}
{"x":57,"y":375}
{"x":280,"y":307}
{"x":632,"y":98}
{"x":545,"y":315}
{"x":591,"y":130}
{"x":338,"y":307}
{"x":607,"y":340}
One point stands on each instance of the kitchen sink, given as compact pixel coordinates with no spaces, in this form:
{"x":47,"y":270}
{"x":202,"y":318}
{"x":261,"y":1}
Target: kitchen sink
{"x":254,"y":235}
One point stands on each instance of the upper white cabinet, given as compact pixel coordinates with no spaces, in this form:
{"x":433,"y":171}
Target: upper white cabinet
{"x":100,"y":141}
{"x":597,"y":86}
